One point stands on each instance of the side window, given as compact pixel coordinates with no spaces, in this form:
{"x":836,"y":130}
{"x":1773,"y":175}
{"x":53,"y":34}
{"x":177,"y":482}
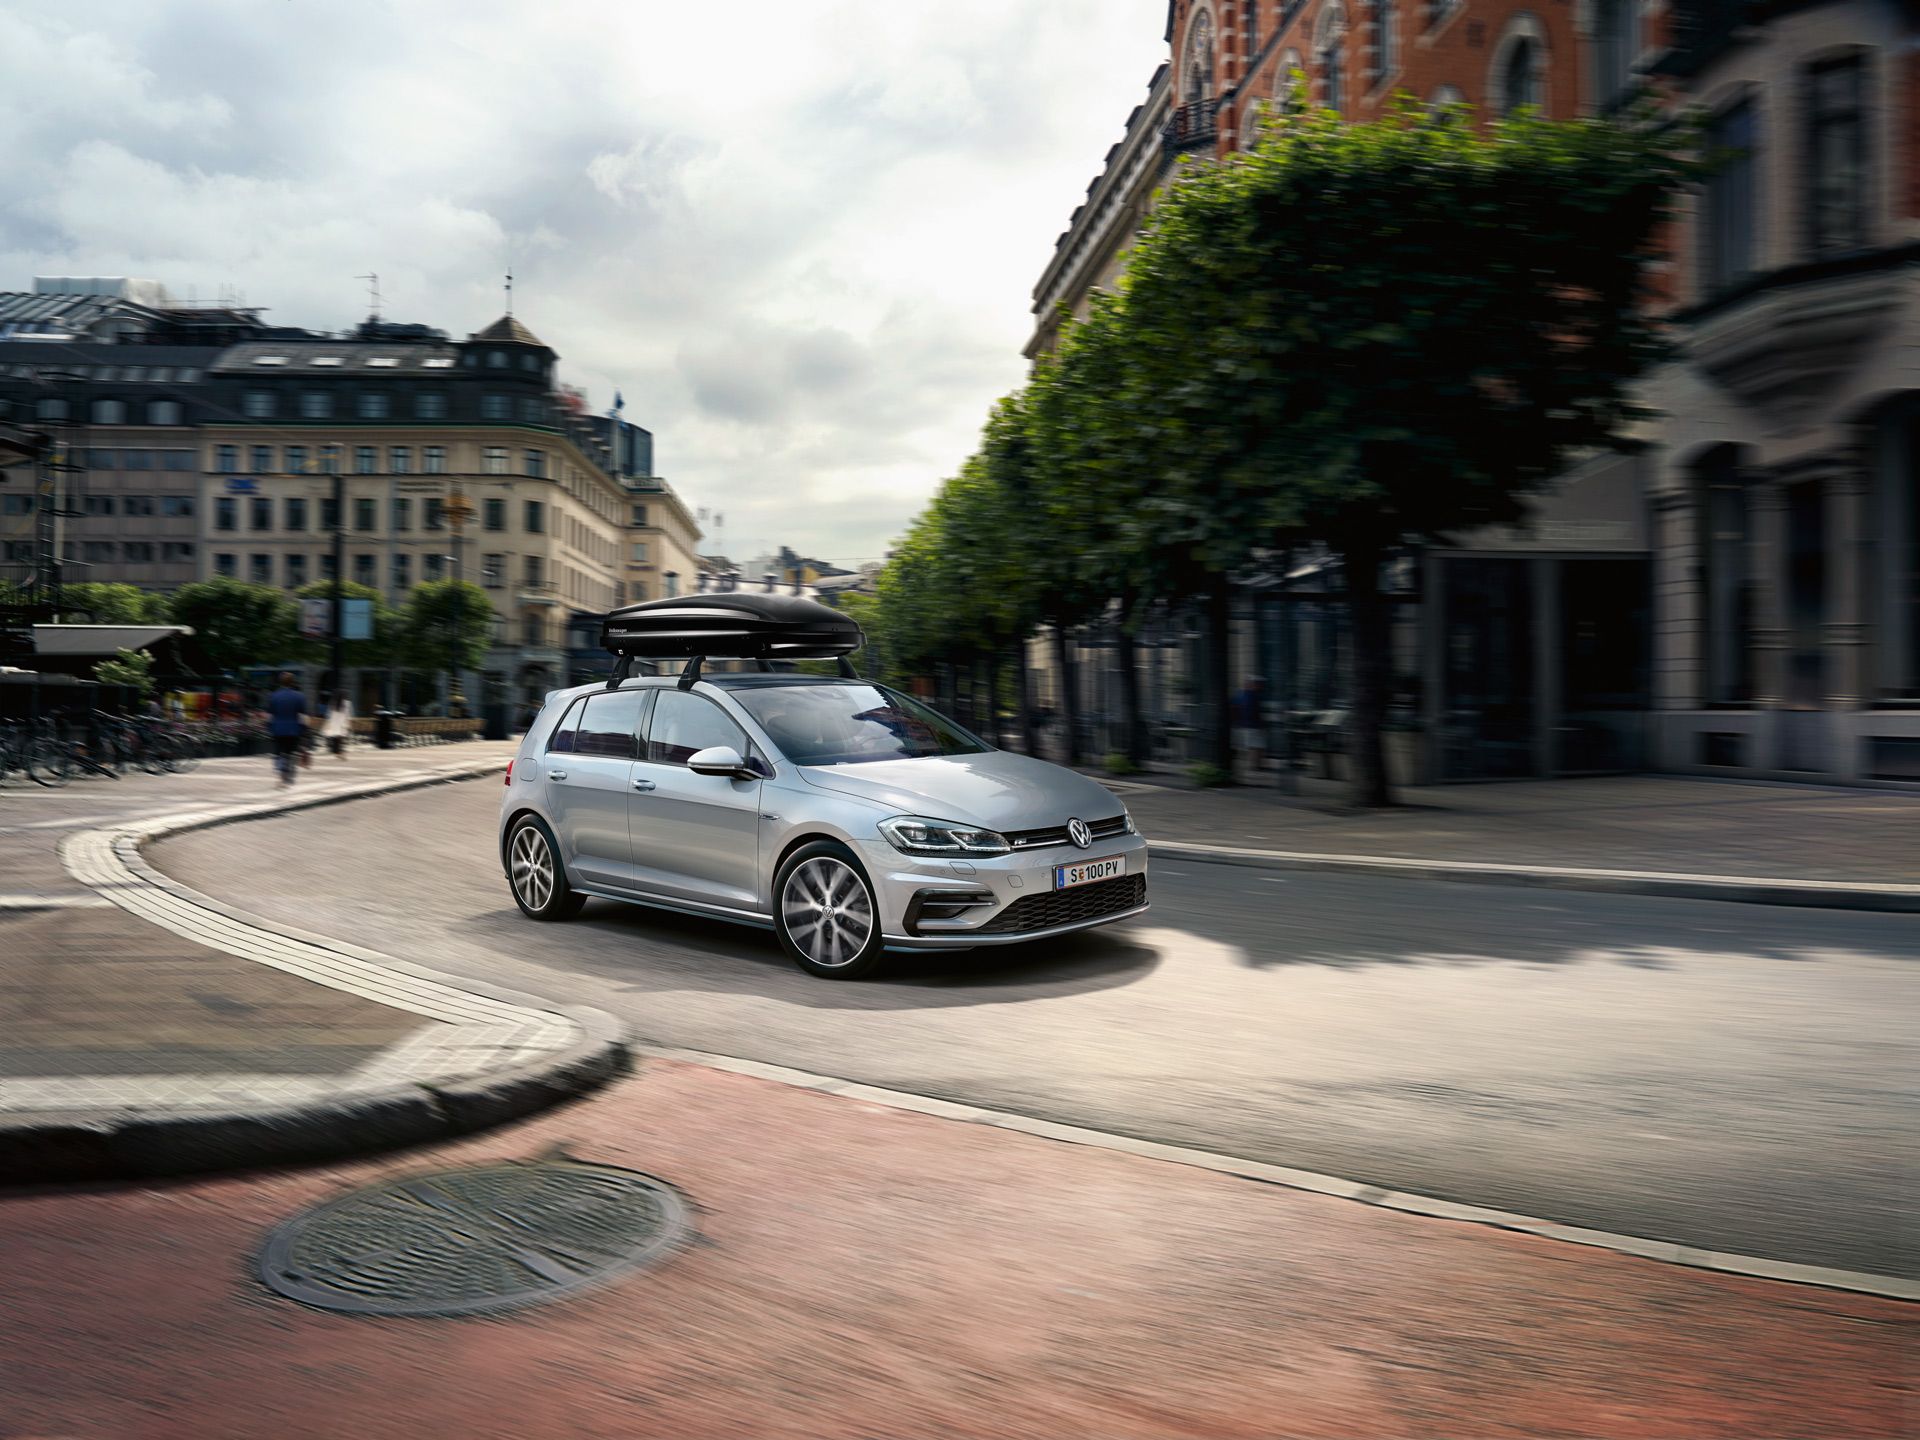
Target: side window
{"x":609,"y":723}
{"x":564,"y":733}
{"x":684,"y":724}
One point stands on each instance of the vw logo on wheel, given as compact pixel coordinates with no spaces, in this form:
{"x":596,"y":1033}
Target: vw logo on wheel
{"x":1078,"y":832}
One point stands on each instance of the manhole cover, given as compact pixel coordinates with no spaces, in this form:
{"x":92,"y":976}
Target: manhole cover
{"x":463,"y":1241}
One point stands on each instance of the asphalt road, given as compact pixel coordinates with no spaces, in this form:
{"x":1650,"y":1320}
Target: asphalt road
{"x":1733,"y":1077}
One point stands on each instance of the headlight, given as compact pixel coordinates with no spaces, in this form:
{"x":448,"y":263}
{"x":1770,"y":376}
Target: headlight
{"x":914,"y":836}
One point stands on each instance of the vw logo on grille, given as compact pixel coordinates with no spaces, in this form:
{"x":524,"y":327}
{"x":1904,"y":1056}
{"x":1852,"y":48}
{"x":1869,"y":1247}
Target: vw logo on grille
{"x":1078,"y":832}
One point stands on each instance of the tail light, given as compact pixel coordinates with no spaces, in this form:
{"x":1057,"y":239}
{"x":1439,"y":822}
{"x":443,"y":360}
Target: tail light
{"x":509,"y":779}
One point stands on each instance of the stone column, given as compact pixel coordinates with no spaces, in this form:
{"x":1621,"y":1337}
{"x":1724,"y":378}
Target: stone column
{"x":1767,"y":570}
{"x":1679,"y":616}
{"x":1844,"y":634}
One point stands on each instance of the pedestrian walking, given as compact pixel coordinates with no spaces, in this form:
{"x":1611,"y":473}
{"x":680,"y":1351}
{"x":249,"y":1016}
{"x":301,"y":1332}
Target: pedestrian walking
{"x":338,"y":727}
{"x":1249,"y":722}
{"x":287,"y":726}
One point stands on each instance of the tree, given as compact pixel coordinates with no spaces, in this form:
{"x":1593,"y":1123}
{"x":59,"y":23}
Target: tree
{"x":236,"y":624}
{"x":133,"y":668}
{"x":1386,"y":332}
{"x":446,"y":625}
{"x":112,"y":604}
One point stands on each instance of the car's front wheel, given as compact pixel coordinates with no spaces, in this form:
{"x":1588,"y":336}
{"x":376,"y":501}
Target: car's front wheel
{"x":824,"y":912}
{"x":534,"y":871}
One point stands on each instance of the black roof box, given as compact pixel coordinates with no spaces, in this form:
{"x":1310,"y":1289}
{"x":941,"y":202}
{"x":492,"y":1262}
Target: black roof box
{"x":731,"y":627}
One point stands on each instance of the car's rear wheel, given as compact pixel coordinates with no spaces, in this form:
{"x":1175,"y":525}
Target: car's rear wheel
{"x":534,"y":871}
{"x":824,"y":912}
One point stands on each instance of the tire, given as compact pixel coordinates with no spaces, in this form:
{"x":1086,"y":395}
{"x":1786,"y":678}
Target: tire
{"x":49,"y":763}
{"x":825,"y":913}
{"x":532,"y":853}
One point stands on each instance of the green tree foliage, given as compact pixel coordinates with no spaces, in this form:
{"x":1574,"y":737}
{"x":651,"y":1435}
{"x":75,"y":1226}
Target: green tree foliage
{"x":110,"y":604}
{"x":1392,"y":331}
{"x":127,"y":667}
{"x":445,"y":623}
{"x":236,"y":624}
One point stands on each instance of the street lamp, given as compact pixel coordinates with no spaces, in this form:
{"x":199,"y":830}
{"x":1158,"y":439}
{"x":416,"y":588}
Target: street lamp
{"x":454,"y":697}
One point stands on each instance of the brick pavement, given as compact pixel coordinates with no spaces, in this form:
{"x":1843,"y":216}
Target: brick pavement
{"x":866,"y":1272}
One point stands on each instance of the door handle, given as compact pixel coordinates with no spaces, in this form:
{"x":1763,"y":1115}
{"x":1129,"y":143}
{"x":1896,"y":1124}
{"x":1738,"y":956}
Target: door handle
{"x":645,"y":785}
{"x":556,"y":774}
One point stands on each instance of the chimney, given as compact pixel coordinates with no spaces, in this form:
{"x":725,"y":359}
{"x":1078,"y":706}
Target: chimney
{"x":770,"y":580}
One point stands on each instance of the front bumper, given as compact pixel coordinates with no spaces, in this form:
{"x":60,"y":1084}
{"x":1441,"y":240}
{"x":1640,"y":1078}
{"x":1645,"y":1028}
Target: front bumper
{"x":1001,"y":882}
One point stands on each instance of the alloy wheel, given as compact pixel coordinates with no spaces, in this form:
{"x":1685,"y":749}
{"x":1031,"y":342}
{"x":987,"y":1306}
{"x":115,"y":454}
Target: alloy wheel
{"x":531,"y":863}
{"x":827,"y":911}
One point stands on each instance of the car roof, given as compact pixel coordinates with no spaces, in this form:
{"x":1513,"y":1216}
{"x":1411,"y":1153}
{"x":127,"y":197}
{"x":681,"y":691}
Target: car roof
{"x":750,"y":680}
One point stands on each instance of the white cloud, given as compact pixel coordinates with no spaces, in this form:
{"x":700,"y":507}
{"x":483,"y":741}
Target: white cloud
{"x":801,"y":239}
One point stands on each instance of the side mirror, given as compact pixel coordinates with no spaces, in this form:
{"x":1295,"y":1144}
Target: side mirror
{"x":719,"y":760}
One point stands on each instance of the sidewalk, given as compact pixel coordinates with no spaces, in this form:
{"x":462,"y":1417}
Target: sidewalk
{"x":144,"y":1031}
{"x":860,"y":1271}
{"x":1803,"y":845}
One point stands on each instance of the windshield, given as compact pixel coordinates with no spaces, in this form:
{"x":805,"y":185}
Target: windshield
{"x":848,"y":724}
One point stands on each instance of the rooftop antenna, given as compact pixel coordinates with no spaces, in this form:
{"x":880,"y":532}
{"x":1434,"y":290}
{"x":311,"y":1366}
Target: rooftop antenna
{"x":509,"y":287}
{"x":373,"y":292}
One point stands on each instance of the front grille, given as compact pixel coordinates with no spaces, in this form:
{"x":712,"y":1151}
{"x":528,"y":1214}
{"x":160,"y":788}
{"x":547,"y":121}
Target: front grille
{"x":1057,"y":834}
{"x":1065,"y":907}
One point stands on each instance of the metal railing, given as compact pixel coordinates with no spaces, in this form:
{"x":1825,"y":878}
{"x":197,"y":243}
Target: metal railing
{"x":1190,"y":126}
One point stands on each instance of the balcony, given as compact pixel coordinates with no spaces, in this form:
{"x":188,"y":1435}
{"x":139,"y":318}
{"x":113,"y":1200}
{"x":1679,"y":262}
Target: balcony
{"x":1189,"y":127}
{"x":540,"y":592}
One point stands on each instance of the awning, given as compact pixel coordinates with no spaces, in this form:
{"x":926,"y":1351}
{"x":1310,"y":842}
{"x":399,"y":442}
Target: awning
{"x":100,"y":639}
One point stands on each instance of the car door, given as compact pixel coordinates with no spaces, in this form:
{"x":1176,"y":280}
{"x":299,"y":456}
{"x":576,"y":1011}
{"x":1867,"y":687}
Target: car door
{"x":589,"y":774}
{"x":695,"y":837}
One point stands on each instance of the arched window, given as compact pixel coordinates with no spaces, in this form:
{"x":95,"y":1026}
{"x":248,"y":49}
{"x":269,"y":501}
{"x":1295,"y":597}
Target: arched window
{"x":1445,"y":96}
{"x":1331,"y":48}
{"x":1284,"y":80}
{"x":1615,"y":43}
{"x":163,"y":412}
{"x":1519,"y":72}
{"x":1198,"y":67}
{"x":109,"y":412}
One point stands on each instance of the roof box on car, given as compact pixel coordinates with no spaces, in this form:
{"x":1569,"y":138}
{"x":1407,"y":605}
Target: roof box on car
{"x":731,"y":627}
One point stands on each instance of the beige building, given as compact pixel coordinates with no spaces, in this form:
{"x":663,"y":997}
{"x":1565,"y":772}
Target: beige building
{"x":662,"y":543}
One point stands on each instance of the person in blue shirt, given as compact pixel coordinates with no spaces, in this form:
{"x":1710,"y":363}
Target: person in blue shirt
{"x":287,"y":725}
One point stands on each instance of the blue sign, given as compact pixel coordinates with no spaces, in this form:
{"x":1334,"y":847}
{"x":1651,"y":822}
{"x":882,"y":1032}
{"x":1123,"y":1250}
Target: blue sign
{"x":242,"y":484}
{"x":356,"y":620}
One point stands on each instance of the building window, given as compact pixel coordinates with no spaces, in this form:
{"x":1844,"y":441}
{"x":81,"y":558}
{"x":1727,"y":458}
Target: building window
{"x":330,"y":459}
{"x":435,"y":515}
{"x":639,"y":552}
{"x":532,"y":412}
{"x":176,"y":460}
{"x":496,"y":407}
{"x":402,"y":570}
{"x":136,"y":460}
{"x":536,"y":572}
{"x":366,"y":460}
{"x":363,"y":571}
{"x":434,"y":460}
{"x":1383,"y":58}
{"x":400,"y":460}
{"x":433,"y":567}
{"x":260,"y":513}
{"x":328,"y":570}
{"x":260,"y":569}
{"x":262,"y":458}
{"x":373,"y":405}
{"x":258,"y":405}
{"x":1440,"y":11}
{"x":493,"y":569}
{"x":316,"y":405}
{"x":177,"y":551}
{"x":109,"y":412}
{"x":226,"y":460}
{"x":536,"y":517}
{"x":1837,"y":157}
{"x":639,"y":514}
{"x":1616,"y":43}
{"x":226,"y":513}
{"x":226,"y":565}
{"x":496,"y":359}
{"x":1517,"y":79}
{"x":296,"y":513}
{"x":96,"y":505}
{"x":50,"y":410}
{"x":1726,"y":552}
{"x":536,"y":462}
{"x":297,"y":460}
{"x":1729,"y":215}
{"x":97,"y":552}
{"x":137,"y":552}
{"x":138,"y":504}
{"x":402,"y":513}
{"x":366,"y":514}
{"x":496,"y":514}
{"x":163,"y":412}
{"x":430,"y":405}
{"x":493,"y":461}
{"x":329,"y":513}
{"x":178,"y":507}
{"x":1199,"y":63}
{"x":1332,"y":48}
{"x":296,"y":570}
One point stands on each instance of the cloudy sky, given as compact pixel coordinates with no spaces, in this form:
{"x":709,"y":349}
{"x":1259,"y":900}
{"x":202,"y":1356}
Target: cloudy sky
{"x":800,"y":238}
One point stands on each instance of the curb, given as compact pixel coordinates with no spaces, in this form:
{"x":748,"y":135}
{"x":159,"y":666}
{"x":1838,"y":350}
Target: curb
{"x":123,"y":1143}
{"x":1747,"y":889}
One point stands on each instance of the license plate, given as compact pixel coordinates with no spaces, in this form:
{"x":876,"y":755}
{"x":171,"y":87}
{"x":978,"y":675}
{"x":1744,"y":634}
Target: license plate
{"x":1088,"y":872}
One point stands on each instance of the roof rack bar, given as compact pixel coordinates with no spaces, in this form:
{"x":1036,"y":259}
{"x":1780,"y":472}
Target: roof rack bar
{"x":622,"y":668}
{"x":691,"y":674}
{"x":847,"y":672}
{"x":764,"y":665}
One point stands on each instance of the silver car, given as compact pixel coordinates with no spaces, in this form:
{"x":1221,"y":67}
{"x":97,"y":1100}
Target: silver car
{"x":848,"y":816}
